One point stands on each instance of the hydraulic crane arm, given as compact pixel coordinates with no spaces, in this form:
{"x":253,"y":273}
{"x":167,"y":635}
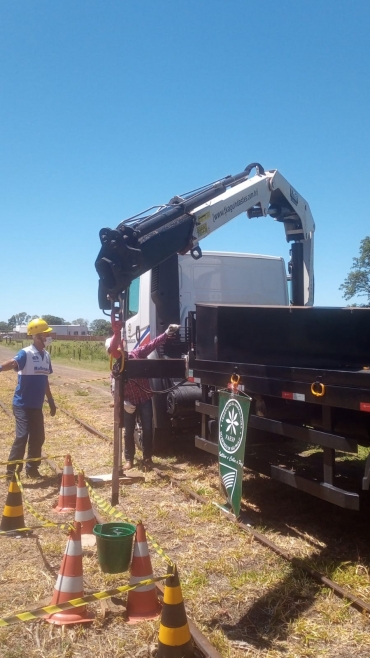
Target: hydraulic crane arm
{"x":140,"y":243}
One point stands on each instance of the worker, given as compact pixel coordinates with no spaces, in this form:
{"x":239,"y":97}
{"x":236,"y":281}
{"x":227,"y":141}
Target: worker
{"x":138,"y":395}
{"x":33,"y":366}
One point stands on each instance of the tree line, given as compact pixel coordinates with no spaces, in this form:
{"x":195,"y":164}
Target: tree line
{"x":97,"y":327}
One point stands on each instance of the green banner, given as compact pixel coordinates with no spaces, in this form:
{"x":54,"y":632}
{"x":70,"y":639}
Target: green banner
{"x":233,"y":413}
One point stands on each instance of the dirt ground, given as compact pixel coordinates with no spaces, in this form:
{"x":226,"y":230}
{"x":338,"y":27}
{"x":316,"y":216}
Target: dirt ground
{"x":247,"y":600}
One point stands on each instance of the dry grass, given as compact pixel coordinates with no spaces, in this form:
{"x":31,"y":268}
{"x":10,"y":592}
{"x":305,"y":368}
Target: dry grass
{"x":247,"y":600}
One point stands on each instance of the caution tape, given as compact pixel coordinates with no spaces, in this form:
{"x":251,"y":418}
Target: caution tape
{"x":104,"y":506}
{"x":159,"y":550}
{"x":46,"y":522}
{"x":86,"y":381}
{"x":15,"y":531}
{"x":30,"y":459}
{"x":38,"y":613}
{"x":100,"y":379}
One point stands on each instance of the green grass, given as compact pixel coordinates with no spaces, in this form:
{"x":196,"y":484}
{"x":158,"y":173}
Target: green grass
{"x":79,"y":354}
{"x":79,"y":350}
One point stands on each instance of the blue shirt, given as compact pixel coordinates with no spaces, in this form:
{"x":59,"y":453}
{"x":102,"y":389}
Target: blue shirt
{"x":33,"y":370}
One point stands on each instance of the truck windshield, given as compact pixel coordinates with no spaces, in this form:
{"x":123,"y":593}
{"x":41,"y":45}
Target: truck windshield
{"x":133,"y":298}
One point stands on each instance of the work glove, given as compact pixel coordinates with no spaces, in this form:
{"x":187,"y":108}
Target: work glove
{"x":129,"y":407}
{"x":52,"y":406}
{"x":172,"y":329}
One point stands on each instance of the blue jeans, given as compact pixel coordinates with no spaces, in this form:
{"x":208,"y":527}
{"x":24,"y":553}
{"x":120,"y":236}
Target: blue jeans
{"x":29,"y":426}
{"x":145,"y":412}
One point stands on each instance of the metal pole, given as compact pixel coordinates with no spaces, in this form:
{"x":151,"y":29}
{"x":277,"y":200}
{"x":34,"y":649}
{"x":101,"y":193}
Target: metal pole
{"x":118,"y":419}
{"x":117,"y":440}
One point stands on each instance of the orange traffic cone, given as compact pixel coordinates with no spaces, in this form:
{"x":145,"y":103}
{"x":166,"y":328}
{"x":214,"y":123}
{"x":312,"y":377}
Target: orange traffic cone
{"x":13,"y":517}
{"x":142,"y":603}
{"x":84,"y":511}
{"x":69,"y":584}
{"x":67,"y":493}
{"x":174,"y":639}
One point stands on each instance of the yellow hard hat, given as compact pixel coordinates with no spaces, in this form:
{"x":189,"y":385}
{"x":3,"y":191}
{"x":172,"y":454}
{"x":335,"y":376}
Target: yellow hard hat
{"x":38,"y":326}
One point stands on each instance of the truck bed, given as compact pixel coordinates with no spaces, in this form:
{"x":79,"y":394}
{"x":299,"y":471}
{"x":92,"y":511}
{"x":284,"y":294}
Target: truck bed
{"x":298,"y":337}
{"x":307,"y":371}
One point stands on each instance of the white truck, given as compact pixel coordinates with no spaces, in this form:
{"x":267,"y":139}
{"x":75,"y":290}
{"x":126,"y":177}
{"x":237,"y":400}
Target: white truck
{"x":223,"y":277}
{"x":153,"y":266}
{"x":306,"y":368}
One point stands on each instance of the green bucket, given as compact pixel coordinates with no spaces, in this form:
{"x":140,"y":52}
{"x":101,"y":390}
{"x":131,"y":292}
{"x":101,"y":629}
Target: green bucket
{"x":114,"y":543}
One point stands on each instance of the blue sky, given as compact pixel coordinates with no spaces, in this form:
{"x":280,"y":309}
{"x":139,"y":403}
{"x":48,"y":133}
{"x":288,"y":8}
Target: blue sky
{"x":108,"y":107}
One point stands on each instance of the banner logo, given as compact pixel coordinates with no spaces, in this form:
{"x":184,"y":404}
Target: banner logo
{"x":233,"y":412}
{"x":231,"y":426}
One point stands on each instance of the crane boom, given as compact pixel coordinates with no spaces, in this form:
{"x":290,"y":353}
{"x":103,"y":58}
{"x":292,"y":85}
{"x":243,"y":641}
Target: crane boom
{"x":141,"y":242}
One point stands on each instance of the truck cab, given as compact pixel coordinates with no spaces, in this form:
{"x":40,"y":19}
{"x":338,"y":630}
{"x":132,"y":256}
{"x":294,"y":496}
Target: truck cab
{"x":222,"y":277}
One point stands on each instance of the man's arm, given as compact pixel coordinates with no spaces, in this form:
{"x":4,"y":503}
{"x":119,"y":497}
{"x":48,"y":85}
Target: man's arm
{"x":48,"y":391}
{"x":17,"y":363}
{"x":50,"y":398}
{"x":145,"y":350}
{"x":9,"y":365}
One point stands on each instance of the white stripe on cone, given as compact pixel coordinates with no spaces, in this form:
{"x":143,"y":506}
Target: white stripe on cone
{"x":70,"y":584}
{"x":141,"y":549}
{"x":84,"y":516}
{"x":73,"y":548}
{"x":68,"y":470}
{"x":67,"y":491}
{"x":82,"y":492}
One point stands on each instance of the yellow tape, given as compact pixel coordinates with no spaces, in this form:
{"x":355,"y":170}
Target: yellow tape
{"x":30,"y":615}
{"x":100,"y":379}
{"x":29,"y":529}
{"x":104,"y":506}
{"x":85,"y":381}
{"x":46,"y":522}
{"x":30,"y":459}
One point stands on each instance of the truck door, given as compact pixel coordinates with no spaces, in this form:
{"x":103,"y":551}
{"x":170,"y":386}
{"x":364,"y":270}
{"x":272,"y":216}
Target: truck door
{"x":138,"y":301}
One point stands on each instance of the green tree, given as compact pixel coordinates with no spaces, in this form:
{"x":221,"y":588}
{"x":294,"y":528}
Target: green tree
{"x":357,"y":282}
{"x":100,"y":328}
{"x":53,"y":319}
{"x":18,"y":318}
{"x":80,"y":321}
{"x":4,"y":326}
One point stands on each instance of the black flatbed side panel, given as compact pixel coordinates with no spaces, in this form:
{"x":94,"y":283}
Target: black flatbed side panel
{"x":335,"y":396}
{"x":298,"y":337}
{"x":297,"y":432}
{"x":153,"y":368}
{"x":347,"y":378}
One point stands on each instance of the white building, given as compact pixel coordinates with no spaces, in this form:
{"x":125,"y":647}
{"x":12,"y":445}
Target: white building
{"x":59,"y":329}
